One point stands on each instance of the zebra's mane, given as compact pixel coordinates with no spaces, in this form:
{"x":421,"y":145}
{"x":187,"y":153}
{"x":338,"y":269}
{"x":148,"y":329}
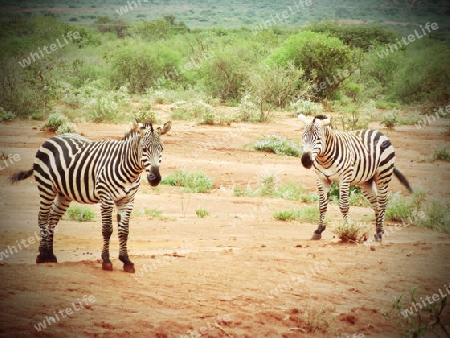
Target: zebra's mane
{"x":320,"y":117}
{"x":136,"y":130}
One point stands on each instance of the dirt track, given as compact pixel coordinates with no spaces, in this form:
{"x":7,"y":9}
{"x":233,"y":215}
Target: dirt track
{"x":235,"y":273}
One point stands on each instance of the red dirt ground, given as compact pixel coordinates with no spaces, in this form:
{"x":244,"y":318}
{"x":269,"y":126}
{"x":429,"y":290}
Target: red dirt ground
{"x":236,"y":273}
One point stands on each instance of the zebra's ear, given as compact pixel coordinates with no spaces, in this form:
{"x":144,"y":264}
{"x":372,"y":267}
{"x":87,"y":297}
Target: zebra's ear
{"x":167,"y":126}
{"x":303,"y":118}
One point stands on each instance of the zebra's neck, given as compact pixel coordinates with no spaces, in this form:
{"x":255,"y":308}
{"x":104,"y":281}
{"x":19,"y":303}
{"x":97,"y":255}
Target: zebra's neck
{"x":131,"y":163}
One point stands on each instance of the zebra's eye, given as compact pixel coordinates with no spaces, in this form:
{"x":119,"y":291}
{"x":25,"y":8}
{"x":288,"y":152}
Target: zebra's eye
{"x":144,"y":149}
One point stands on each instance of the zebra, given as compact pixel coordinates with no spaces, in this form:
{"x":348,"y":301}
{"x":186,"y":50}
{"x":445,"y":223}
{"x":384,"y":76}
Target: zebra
{"x":70,"y":167}
{"x":362,"y":157}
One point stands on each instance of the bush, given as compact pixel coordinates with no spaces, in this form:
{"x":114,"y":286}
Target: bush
{"x":80,"y":213}
{"x":278,"y":145}
{"x":201,"y":213}
{"x":306,"y":107}
{"x":389,"y":121}
{"x":6,"y":116}
{"x":190,"y":181}
{"x":320,"y":56}
{"x":55,"y":121}
{"x":441,"y":154}
{"x":247,"y":110}
{"x":352,"y":232}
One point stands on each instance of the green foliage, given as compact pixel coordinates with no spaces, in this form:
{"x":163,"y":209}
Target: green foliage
{"x":144,"y":115}
{"x":157,"y":30}
{"x":320,"y":56}
{"x":308,"y":214}
{"x":56,"y":122}
{"x":306,"y":107}
{"x":389,"y":120}
{"x":399,"y":208}
{"x":278,"y":145}
{"x":139,"y":66}
{"x":352,"y":232}
{"x":442,"y":154}
{"x":80,"y":213}
{"x":274,"y":87}
{"x":153,"y":213}
{"x":194,"y":182}
{"x":6,"y":116}
{"x":198,"y":110}
{"x":355,"y":198}
{"x":268,"y":187}
{"x":423,"y":320}
{"x":202,"y":213}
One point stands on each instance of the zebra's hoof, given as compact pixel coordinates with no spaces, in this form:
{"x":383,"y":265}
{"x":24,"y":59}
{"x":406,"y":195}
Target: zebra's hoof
{"x":40,"y":259}
{"x":129,"y":268}
{"x":107,"y":266}
{"x":52,"y":259}
{"x":316,"y":236}
{"x":378,"y":237}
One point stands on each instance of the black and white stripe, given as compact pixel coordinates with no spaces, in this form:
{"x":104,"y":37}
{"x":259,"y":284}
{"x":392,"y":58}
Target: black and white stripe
{"x":363,"y":157}
{"x":70,"y":167}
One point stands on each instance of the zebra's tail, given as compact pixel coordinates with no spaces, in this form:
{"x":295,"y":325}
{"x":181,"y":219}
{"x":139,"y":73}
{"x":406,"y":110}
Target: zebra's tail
{"x":402,"y":179}
{"x":21,"y":175}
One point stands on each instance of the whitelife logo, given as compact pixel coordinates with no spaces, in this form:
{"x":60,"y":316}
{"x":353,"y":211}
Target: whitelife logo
{"x":39,"y":54}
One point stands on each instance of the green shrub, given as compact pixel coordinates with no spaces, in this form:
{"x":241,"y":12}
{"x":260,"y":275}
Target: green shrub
{"x":389,"y":120}
{"x":285,"y":215}
{"x":144,"y":115}
{"x":196,"y":182}
{"x":6,"y":116}
{"x":56,"y":121}
{"x":201,"y":213}
{"x":80,"y":213}
{"x":306,"y":107}
{"x":278,"y":145}
{"x":247,"y":110}
{"x":441,"y":154}
{"x":66,"y":128}
{"x":399,"y":208}
{"x":320,"y":56}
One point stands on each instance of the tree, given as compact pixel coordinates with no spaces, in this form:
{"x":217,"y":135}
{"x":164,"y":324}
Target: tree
{"x":326,"y":60}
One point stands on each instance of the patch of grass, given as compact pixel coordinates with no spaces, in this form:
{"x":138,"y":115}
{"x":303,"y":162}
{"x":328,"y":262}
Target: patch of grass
{"x":355,"y":198}
{"x":399,"y":208}
{"x":144,"y":115}
{"x":202,"y":213}
{"x":309,"y":214}
{"x":278,"y":145}
{"x":352,"y":232}
{"x":318,"y":320}
{"x":441,"y":154}
{"x":153,"y":213}
{"x":6,"y":116}
{"x":195,"y":182}
{"x":306,"y":107}
{"x":291,"y":190}
{"x":80,"y":213}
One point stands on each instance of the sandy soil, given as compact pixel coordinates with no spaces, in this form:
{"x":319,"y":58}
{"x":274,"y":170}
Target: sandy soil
{"x":236,"y":273}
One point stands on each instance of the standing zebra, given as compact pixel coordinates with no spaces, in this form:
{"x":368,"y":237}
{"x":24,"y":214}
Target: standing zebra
{"x":70,"y":167}
{"x":362,"y":157}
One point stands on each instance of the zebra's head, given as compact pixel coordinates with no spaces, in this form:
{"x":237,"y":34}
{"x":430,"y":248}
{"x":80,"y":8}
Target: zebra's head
{"x":313,"y":138}
{"x":151,"y":148}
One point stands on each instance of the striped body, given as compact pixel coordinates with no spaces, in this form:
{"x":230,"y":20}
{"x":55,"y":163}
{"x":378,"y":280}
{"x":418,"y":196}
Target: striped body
{"x":364,"y":157}
{"x":70,"y":167}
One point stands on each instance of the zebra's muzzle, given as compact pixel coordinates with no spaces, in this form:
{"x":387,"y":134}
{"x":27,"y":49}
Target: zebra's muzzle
{"x":307,"y":160}
{"x":154,"y":177}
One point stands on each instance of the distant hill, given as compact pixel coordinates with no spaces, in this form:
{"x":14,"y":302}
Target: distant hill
{"x":256,"y":14}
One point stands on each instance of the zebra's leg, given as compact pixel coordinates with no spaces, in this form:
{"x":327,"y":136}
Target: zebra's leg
{"x":323,"y":187}
{"x":59,"y":207}
{"x":46,"y":200}
{"x":344,"y":191}
{"x":370,"y":192}
{"x":382,"y":188}
{"x":107,"y":206}
{"x":123,"y":218}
